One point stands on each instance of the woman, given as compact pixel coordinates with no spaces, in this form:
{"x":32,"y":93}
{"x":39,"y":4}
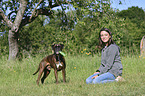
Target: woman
{"x":111,"y":67}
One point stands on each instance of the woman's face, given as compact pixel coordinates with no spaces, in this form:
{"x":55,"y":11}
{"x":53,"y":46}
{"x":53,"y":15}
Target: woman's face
{"x":105,"y":36}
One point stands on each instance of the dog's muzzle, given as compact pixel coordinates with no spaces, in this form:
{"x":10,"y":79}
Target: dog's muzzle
{"x":57,"y":53}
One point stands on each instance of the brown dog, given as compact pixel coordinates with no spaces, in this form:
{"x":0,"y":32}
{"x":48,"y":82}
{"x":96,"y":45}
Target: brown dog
{"x":55,"y":61}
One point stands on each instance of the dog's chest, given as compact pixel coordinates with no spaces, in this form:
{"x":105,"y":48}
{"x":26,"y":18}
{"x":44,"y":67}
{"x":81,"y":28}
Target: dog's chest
{"x":59,"y":65}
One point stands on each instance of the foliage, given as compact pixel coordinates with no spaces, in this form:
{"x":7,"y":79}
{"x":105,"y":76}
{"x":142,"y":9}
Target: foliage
{"x":79,"y":29}
{"x":34,"y":39}
{"x":21,"y":13}
{"x":134,"y":20}
{"x":4,"y":46}
{"x":135,"y":14}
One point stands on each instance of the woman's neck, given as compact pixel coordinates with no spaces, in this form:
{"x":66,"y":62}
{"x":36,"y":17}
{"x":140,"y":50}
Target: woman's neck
{"x":106,"y":44}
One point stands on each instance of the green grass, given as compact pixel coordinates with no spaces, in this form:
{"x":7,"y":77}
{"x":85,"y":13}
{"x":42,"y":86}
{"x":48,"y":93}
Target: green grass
{"x":16,"y":78}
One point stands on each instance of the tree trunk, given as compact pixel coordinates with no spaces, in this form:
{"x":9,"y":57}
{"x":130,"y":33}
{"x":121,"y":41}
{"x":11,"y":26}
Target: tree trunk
{"x":12,"y":37}
{"x":13,"y":45}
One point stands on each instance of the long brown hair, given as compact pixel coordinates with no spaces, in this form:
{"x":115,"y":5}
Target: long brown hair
{"x":101,"y":43}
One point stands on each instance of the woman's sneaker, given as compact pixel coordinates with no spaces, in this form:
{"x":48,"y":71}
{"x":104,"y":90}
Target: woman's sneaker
{"x":119,"y":78}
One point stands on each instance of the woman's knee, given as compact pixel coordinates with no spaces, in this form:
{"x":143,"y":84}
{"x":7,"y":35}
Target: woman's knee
{"x":88,"y":80}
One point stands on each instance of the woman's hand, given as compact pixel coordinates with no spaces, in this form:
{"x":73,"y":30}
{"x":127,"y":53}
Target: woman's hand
{"x":96,"y":75}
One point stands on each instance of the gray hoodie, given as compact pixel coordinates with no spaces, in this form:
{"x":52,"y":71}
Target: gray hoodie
{"x":110,"y":61}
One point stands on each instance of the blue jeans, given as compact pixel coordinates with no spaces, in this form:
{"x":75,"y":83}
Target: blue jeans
{"x":103,"y":78}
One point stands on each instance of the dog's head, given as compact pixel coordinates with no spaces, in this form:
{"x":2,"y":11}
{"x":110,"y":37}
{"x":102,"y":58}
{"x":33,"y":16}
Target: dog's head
{"x":56,"y":48}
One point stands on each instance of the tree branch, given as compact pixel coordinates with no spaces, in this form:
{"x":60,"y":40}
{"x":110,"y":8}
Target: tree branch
{"x":27,"y":19}
{"x":43,"y":12}
{"x":50,"y":3}
{"x":37,"y":12}
{"x":33,"y":13}
{"x":5,"y":19}
{"x":19,"y":16}
{"x":11,"y":13}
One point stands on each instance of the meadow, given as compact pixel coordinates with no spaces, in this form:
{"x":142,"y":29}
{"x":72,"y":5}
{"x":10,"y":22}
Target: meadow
{"x":16,"y":78}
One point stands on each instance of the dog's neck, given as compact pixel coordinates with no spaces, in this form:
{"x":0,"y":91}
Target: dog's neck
{"x":57,"y":57}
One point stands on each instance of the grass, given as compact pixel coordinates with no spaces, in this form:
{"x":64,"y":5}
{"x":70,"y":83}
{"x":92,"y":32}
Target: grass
{"x":16,"y":78}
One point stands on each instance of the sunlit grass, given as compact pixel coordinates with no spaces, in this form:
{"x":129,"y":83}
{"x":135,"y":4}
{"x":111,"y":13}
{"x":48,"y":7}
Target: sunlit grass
{"x":16,"y":78}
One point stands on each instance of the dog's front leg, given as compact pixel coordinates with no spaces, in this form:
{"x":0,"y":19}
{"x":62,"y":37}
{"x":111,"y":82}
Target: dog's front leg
{"x":64,"y":75}
{"x":56,"y":75}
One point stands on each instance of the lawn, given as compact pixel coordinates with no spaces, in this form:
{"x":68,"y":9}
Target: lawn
{"x":16,"y":78}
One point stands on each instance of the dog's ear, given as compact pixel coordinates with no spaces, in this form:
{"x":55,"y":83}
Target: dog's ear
{"x":53,"y":46}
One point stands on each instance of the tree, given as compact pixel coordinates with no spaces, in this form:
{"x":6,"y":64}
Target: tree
{"x":135,"y":19}
{"x":23,"y":12}
{"x":90,"y":14}
{"x":135,"y":14}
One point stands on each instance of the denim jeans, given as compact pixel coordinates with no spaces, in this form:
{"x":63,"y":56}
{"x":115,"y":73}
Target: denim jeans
{"x":103,"y":78}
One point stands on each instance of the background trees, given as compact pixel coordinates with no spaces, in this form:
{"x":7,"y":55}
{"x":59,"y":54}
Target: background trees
{"x":135,"y":17}
{"x":21,"y":13}
{"x":78,"y":28}
{"x":135,"y":14}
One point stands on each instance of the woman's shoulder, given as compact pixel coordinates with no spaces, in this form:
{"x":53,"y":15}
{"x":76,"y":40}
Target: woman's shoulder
{"x":114,"y":46}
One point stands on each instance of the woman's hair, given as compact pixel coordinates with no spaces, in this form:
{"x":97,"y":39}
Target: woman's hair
{"x":101,"y":43}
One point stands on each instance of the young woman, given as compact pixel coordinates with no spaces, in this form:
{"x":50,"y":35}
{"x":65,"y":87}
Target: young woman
{"x":111,"y":68}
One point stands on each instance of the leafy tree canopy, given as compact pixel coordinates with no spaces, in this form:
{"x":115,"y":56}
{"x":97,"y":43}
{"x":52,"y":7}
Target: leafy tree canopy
{"x":135,"y":14}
